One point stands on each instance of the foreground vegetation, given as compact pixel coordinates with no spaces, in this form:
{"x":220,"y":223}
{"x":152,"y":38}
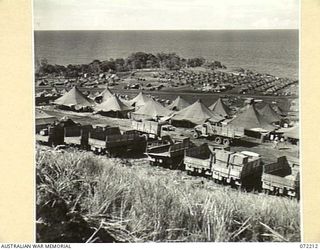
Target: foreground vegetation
{"x":86,"y":198}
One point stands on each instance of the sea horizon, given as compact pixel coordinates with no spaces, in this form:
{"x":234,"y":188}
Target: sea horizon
{"x":272,"y":51}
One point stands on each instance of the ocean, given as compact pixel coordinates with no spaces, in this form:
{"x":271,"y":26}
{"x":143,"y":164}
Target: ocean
{"x":267,"y":51}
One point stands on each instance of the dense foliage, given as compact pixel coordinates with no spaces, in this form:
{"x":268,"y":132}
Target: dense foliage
{"x":138,"y":60}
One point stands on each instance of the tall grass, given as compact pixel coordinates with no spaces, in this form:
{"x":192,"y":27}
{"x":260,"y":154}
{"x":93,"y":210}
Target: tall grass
{"x":138,"y":203}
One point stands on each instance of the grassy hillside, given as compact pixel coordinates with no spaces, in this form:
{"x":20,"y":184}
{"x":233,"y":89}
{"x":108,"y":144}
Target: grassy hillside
{"x":82,"y":197}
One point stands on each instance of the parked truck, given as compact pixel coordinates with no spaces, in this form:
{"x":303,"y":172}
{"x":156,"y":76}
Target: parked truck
{"x":109,"y":140}
{"x":150,"y":128}
{"x":59,"y":133}
{"x":168,"y":153}
{"x":236,"y":168}
{"x":221,"y":134}
{"x":77,"y":135}
{"x":281,"y":177}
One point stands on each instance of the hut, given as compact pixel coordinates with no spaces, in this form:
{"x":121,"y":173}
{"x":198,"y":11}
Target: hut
{"x":151,"y":110}
{"x":140,"y":100}
{"x":178,"y":104}
{"x":220,"y":108}
{"x":197,"y":113}
{"x":113,"y":107}
{"x":74,"y":100}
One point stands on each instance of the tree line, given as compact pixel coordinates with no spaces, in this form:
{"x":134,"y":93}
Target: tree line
{"x":138,"y":60}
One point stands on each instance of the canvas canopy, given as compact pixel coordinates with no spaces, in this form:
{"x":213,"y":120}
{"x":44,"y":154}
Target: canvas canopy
{"x":251,"y":119}
{"x":74,"y":97}
{"x":113,"y":104}
{"x":151,"y":109}
{"x":277,"y":109}
{"x":269,"y":113}
{"x":93,"y":95}
{"x":140,"y":100}
{"x":196,"y":113}
{"x":178,"y":104}
{"x":105,"y":95}
{"x":220,"y":108}
{"x":43,"y":118}
{"x":292,"y":132}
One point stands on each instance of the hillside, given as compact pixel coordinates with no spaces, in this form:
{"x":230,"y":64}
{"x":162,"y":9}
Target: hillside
{"x":126,"y":200}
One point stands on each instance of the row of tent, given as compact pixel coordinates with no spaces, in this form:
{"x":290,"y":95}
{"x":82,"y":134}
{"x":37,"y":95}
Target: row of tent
{"x":179,"y":112}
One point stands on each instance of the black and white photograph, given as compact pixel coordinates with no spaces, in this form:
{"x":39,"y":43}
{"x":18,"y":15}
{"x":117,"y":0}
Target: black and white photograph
{"x":167,"y":121}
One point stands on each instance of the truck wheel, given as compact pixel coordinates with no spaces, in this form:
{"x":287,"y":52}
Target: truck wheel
{"x":195,"y":135}
{"x":218,"y":140}
{"x":226,"y":142}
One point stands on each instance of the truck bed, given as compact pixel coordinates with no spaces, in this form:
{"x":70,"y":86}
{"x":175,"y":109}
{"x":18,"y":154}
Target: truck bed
{"x":42,"y":138}
{"x":76,"y":140}
{"x":288,"y":181}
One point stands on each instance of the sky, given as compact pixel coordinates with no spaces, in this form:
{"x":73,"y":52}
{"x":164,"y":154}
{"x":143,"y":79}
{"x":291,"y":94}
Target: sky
{"x":165,"y":14}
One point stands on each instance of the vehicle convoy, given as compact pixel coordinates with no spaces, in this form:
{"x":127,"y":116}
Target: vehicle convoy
{"x":98,"y":138}
{"x":235,"y":168}
{"x":221,"y":134}
{"x":168,"y":153}
{"x":281,"y":177}
{"x":244,"y":169}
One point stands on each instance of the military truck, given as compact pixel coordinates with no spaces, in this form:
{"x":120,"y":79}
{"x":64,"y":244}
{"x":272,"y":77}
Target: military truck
{"x":109,"y":140}
{"x":169,"y":153}
{"x":220,"y":134}
{"x":235,"y":168}
{"x":150,"y":128}
{"x":281,"y":177}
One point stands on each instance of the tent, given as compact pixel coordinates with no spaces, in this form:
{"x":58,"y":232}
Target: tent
{"x":114,"y":107}
{"x":93,"y":95}
{"x":43,"y":93}
{"x":74,"y":99}
{"x":278,"y":110}
{"x":104,"y":95}
{"x":292,"y":132}
{"x":55,"y":91}
{"x":220,"y":108}
{"x":197,"y":113}
{"x":251,"y":119}
{"x":140,"y":100}
{"x":151,"y":110}
{"x":269,"y":113}
{"x":42,"y":119}
{"x":178,"y":104}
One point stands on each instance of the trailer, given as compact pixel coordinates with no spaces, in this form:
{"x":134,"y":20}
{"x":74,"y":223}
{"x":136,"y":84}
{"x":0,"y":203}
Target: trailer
{"x":77,"y":135}
{"x":129,"y":141}
{"x":151,"y":128}
{"x":98,"y":135}
{"x":198,"y":160}
{"x":220,"y":134}
{"x":235,"y":168}
{"x":169,"y":153}
{"x":53,"y":135}
{"x":281,"y":178}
